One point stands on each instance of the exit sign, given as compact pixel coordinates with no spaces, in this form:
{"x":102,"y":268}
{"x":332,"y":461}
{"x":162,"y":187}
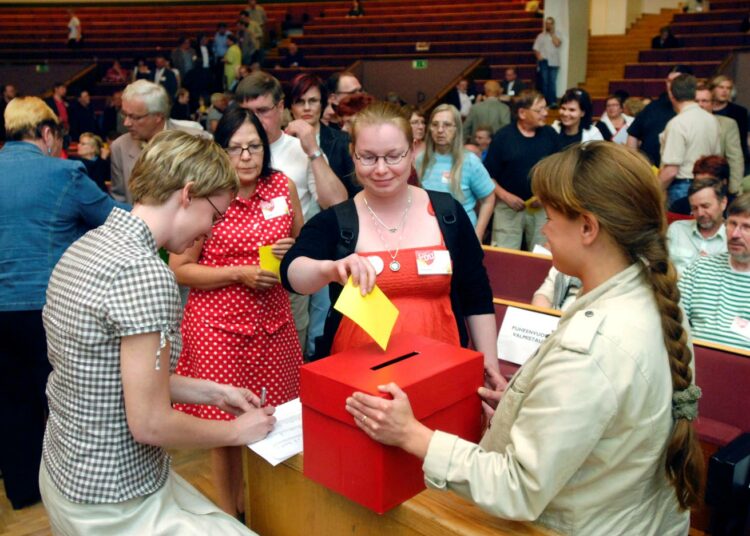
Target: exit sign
{"x":419,"y":64}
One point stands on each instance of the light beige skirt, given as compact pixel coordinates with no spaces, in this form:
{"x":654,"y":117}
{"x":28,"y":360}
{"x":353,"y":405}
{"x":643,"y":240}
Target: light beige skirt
{"x":176,"y":509}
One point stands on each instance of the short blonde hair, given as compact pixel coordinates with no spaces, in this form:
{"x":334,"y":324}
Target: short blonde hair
{"x":172,"y":159}
{"x":25,"y":117}
{"x":98,"y":142}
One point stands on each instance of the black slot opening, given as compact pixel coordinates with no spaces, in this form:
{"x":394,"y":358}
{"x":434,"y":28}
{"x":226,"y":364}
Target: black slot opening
{"x":394,"y":360}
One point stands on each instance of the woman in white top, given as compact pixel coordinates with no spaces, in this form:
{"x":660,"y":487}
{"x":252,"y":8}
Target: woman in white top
{"x":574,"y":125}
{"x":615,"y":122}
{"x":592,"y":435}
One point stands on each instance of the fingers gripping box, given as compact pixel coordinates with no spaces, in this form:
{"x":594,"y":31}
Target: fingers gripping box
{"x":441,"y":382}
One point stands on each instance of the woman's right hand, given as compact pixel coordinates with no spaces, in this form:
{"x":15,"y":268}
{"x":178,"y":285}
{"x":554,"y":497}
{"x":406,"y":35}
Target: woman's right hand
{"x":254,"y":425}
{"x":362,"y":272}
{"x":256,"y":278}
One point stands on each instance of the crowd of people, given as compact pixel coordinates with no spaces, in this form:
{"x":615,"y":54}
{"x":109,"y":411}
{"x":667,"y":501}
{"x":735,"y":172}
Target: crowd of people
{"x":116,"y":355}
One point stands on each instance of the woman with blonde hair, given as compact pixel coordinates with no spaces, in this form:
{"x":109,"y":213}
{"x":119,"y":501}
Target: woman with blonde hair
{"x":112,"y":322}
{"x":384,"y":234}
{"x":46,"y":204}
{"x":446,"y":166}
{"x":593,"y":434}
{"x":89,"y":152}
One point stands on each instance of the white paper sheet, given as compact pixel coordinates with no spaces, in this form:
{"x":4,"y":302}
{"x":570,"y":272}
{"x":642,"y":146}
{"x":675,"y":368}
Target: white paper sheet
{"x":522,"y":332}
{"x":541,"y":250}
{"x":285,"y":440}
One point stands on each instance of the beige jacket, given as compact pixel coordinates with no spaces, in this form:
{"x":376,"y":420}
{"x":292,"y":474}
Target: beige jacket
{"x":579,"y":438}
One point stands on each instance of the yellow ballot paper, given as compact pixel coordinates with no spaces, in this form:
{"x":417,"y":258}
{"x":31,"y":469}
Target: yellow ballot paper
{"x":529,"y":202}
{"x":268,"y":260}
{"x":374,"y":313}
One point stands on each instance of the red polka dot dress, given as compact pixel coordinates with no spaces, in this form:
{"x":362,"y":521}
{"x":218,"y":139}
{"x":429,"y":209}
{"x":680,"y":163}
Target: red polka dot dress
{"x":238,"y":335}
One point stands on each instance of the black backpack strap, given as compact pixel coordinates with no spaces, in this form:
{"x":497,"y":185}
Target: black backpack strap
{"x":445,"y":208}
{"x":346,"y":216}
{"x":445,"y":211}
{"x":348,"y":223}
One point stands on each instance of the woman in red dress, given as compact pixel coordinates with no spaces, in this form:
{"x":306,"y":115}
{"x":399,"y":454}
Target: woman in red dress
{"x":238,"y":327}
{"x":438,"y":284}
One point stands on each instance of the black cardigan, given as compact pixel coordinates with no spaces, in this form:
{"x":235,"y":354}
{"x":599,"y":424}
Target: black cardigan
{"x":470,"y":287}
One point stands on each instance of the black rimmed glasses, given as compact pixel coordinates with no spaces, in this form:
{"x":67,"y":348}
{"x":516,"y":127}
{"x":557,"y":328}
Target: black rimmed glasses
{"x":219,"y":216}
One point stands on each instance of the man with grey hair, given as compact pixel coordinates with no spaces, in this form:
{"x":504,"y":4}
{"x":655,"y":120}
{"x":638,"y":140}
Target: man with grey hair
{"x":145,"y":112}
{"x":693,"y":133}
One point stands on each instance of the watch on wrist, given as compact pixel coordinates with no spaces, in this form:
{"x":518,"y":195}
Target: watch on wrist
{"x":315,"y":155}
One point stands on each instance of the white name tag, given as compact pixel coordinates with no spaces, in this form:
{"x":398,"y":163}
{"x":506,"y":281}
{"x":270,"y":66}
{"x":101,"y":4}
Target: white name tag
{"x":741,"y":326}
{"x":377,"y":263}
{"x":446,"y":178}
{"x":274,"y":208}
{"x":433,"y":262}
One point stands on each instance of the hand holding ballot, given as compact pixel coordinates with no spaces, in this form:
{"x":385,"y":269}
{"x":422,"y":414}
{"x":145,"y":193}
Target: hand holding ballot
{"x":280,"y":248}
{"x":359,"y":268}
{"x":257,"y":278}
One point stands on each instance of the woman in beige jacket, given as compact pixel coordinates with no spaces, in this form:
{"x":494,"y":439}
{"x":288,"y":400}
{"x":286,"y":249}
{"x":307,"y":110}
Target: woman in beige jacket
{"x":582,"y":435}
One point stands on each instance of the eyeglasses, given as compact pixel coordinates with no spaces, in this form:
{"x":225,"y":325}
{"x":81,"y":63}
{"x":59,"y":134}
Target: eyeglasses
{"x":133,"y":117}
{"x":372,"y":159}
{"x":314,"y":101}
{"x":264,"y":111}
{"x":539,"y":110}
{"x":236,"y":152}
{"x":435,"y":125}
{"x":219,"y":216}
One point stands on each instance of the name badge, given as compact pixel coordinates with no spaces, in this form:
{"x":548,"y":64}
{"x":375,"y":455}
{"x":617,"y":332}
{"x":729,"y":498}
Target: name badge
{"x":434,"y":262}
{"x":274,"y":208}
{"x":377,"y":263}
{"x":741,"y":327}
{"x":446,"y":178}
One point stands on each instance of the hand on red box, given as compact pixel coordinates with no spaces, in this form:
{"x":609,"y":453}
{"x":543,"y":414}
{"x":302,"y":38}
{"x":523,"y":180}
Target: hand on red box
{"x":390,"y":422}
{"x":493,"y":391}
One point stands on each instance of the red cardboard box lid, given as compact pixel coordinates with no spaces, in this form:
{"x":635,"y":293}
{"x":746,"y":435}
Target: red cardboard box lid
{"x":432,"y":373}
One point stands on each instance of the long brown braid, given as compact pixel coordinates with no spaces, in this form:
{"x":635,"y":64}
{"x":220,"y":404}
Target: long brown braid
{"x":618,"y":187}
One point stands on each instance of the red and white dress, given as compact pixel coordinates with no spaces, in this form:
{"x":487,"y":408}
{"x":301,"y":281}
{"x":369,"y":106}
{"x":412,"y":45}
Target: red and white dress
{"x":238,"y":335}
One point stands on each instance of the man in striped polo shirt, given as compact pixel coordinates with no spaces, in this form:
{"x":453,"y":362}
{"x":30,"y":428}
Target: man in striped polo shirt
{"x":716,"y":289}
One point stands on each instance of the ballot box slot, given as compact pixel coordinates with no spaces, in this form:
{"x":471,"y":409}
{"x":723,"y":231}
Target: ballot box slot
{"x":394,"y":360}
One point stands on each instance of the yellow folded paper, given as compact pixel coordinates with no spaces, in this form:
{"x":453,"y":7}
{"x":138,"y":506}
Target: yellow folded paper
{"x":529,"y":202}
{"x":268,"y":260}
{"x":374,"y":313}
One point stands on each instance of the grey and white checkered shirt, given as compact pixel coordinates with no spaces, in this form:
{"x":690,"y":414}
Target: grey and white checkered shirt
{"x":109,"y":284}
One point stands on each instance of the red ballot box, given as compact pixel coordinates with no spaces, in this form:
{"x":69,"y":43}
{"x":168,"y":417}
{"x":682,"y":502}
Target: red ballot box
{"x":441,"y":381}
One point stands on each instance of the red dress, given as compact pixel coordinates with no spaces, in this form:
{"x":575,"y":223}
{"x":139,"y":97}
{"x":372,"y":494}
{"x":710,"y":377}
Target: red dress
{"x":238,"y":335}
{"x":423,"y":302}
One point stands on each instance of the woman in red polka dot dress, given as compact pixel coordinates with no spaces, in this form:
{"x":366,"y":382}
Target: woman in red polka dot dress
{"x":238,"y":327}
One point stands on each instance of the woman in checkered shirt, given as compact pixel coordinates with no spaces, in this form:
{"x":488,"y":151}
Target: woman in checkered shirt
{"x":112,"y":322}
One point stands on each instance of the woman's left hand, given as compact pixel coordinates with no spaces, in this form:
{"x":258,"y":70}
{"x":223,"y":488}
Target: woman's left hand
{"x":281,"y":246}
{"x":390,"y":422}
{"x":235,"y":400}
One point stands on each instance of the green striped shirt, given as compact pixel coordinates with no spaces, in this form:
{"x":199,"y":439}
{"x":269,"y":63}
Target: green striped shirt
{"x":713,"y":295}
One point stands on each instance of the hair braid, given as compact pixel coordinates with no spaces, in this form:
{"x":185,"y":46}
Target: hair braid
{"x":618,"y":186}
{"x":684,"y":460}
